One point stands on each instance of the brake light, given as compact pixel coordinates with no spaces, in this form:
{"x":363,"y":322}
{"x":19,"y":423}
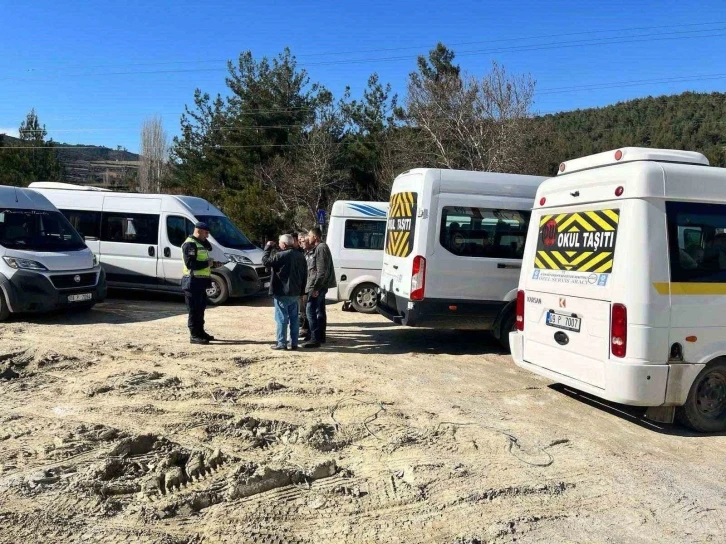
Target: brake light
{"x":619,"y":330}
{"x":520,"y":310}
{"x":542,"y":201}
{"x":418,"y":278}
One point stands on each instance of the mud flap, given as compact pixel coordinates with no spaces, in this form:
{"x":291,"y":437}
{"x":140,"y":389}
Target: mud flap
{"x":497,"y":326}
{"x":661,"y":414}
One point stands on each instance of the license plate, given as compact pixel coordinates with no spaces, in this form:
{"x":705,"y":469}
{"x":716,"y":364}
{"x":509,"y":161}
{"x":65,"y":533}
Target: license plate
{"x":562,"y":321}
{"x":266,"y":284}
{"x":80,"y":298}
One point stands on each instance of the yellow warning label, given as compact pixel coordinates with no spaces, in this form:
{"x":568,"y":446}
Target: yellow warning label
{"x":401,"y":224}
{"x":578,"y":242}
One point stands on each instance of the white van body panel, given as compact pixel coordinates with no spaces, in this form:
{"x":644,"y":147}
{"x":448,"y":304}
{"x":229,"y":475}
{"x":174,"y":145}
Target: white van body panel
{"x":354,"y":266}
{"x":462,"y":291}
{"x":156,"y":266}
{"x":48,"y":292}
{"x":660,"y":312}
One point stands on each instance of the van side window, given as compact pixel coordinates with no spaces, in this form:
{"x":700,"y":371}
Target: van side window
{"x":479,"y":232}
{"x":130,"y":228}
{"x":178,"y":229}
{"x":697,"y":240}
{"x":364,"y":234}
{"x":88,"y":224}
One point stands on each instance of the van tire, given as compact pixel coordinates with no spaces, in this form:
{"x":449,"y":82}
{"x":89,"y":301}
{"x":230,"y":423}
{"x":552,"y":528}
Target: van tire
{"x":4,"y":309}
{"x":705,"y":407}
{"x":218,"y":293}
{"x":364,"y":298}
{"x":509,"y":323}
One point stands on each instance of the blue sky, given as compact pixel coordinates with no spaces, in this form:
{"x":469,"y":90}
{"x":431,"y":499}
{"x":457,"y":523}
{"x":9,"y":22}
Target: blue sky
{"x":95,"y":70}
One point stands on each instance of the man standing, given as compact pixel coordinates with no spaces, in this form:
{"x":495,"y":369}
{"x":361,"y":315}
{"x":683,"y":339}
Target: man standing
{"x":302,"y":240}
{"x":321,"y":277}
{"x":286,"y":285}
{"x":196,"y":280}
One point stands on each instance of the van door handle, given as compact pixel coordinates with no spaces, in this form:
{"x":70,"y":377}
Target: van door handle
{"x":167,"y":252}
{"x":395,"y":267}
{"x":152,"y":251}
{"x":505,"y":265}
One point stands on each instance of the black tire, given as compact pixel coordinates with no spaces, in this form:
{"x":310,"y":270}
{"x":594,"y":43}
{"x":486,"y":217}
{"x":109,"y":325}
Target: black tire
{"x":509,"y":324}
{"x":364,"y":298}
{"x":218,"y":292}
{"x":4,"y":309}
{"x":705,"y":408}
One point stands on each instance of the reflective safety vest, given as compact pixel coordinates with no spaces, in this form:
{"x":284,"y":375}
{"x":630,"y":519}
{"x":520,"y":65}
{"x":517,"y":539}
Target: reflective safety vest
{"x":202,"y":255}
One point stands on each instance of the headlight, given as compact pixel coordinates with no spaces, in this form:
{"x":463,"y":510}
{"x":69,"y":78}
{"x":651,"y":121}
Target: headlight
{"x":240,"y":259}
{"x":95,"y":260}
{"x":14,"y":262}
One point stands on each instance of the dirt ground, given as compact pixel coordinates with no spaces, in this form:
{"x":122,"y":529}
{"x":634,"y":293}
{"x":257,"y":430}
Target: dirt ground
{"x":113,"y":428}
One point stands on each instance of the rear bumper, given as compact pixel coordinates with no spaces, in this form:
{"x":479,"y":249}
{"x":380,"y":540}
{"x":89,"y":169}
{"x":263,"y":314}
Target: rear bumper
{"x":29,"y":292}
{"x":635,"y":384}
{"x":439,"y":313}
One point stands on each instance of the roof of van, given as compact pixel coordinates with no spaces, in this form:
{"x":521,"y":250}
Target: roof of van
{"x":631,"y":154}
{"x":19,"y":198}
{"x":487,"y":183}
{"x":64,"y":186}
{"x":358,"y":208}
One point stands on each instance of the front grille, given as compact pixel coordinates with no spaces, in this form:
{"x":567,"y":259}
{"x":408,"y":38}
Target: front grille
{"x":68,"y":281}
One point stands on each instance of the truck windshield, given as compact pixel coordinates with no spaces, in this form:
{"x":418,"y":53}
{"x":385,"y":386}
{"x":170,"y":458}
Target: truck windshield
{"x":38,"y":230}
{"x":224,"y":231}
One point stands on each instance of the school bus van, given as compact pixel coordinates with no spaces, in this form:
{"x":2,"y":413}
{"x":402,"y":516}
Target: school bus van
{"x":623,"y":286}
{"x":453,"y":249}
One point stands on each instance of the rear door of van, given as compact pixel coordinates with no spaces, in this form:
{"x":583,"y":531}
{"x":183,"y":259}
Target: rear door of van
{"x":568,"y":269}
{"x":406,"y":230}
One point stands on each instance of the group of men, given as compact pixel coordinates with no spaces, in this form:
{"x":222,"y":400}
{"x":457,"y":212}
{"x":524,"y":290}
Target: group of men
{"x":302,"y":272}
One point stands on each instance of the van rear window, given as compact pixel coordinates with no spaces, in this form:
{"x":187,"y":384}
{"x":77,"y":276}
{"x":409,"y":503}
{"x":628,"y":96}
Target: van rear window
{"x":401,"y":224}
{"x":577,"y":248}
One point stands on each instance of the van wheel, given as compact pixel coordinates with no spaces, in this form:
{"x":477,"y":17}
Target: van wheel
{"x":509,"y":324}
{"x":217,"y":292}
{"x":4,"y":309}
{"x":705,"y":408}
{"x":365,"y":298}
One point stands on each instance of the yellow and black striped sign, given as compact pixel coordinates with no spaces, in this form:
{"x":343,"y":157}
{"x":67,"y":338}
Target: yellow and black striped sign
{"x":578,"y":242}
{"x":401,"y":224}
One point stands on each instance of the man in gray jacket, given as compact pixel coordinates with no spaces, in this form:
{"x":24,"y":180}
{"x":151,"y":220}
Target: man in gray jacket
{"x":321,"y":277}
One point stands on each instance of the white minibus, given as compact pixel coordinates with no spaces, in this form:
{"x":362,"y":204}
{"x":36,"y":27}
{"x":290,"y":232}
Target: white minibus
{"x":44,"y":263}
{"x":138,"y":239}
{"x":453,"y":249}
{"x":623,"y":286}
{"x":355,"y":237}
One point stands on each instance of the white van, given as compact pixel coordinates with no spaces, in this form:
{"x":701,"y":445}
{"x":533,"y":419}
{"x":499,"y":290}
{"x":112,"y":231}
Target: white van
{"x":44,"y":263}
{"x":355,"y":237}
{"x":138,"y":238}
{"x":453,"y":249}
{"x":623,"y":286}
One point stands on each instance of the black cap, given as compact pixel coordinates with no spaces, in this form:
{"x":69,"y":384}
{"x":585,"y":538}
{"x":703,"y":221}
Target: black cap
{"x":201,"y":225}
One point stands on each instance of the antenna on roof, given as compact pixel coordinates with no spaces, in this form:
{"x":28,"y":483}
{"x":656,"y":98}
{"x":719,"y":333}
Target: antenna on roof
{"x":16,"y":194}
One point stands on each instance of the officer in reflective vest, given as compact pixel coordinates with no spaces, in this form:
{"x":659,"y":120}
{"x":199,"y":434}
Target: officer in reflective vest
{"x":196,"y":280}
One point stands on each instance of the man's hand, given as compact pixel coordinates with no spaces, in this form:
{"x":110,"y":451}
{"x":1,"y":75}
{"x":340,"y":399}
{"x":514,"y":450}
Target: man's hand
{"x":217,"y":264}
{"x":315,"y":294}
{"x":211,"y":263}
{"x":270,"y":244}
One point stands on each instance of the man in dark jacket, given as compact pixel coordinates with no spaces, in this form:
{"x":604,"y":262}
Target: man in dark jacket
{"x":302,"y":239}
{"x":286,"y":285}
{"x":321,"y":277}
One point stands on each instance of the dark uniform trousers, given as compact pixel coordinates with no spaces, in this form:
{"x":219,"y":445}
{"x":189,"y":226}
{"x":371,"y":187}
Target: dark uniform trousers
{"x":196,"y":300}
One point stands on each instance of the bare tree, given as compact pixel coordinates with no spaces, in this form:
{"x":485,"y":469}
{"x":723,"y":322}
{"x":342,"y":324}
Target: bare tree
{"x":154,"y":155}
{"x":470,"y":123}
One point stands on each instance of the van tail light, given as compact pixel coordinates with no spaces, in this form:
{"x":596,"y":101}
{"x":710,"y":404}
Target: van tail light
{"x":520,"y":310}
{"x":619,"y":330}
{"x":418,"y":278}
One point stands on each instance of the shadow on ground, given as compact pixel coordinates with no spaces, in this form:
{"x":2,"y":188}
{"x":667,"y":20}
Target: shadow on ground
{"x":382,"y":337}
{"x":632,"y":414}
